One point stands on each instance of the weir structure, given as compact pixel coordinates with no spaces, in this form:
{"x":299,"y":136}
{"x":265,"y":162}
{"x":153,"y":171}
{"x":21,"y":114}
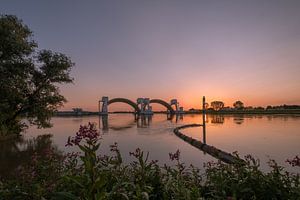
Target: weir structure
{"x":141,"y":106}
{"x":143,"y":118}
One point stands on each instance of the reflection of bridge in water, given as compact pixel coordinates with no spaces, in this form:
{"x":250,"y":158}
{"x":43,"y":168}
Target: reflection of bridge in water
{"x":141,"y":106}
{"x":143,"y":118}
{"x":140,"y":121}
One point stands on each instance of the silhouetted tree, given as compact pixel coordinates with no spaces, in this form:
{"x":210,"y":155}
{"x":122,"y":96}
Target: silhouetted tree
{"x":238,"y":105}
{"x":217,"y":105}
{"x":259,"y":108}
{"x":28,"y":78}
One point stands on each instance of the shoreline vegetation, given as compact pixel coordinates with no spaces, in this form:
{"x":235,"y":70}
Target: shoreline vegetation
{"x":88,"y":174}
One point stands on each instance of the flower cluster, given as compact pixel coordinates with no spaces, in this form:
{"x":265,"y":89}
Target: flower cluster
{"x":175,"y":156}
{"x":153,"y":162}
{"x":114,"y":147}
{"x":87,"y":132}
{"x":136,"y":154}
{"x":210,"y":164}
{"x":294,"y":162}
{"x":72,"y":155}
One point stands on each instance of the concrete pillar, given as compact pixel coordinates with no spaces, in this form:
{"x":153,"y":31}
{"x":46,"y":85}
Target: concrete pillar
{"x":146,"y":103}
{"x":104,"y":105}
{"x":140,"y":104}
{"x":147,"y":107}
{"x":175,"y":102}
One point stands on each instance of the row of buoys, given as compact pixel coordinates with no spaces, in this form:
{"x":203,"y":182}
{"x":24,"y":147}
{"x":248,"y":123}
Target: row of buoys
{"x":211,"y":150}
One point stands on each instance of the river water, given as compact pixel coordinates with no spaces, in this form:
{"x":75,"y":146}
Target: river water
{"x":263,"y":136}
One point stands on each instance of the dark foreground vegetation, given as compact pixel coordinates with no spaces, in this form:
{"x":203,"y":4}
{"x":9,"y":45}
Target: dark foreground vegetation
{"x":86,"y":175}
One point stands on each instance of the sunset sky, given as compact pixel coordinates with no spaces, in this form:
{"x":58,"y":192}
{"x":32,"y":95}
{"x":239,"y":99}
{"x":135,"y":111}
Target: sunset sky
{"x":225,"y":50}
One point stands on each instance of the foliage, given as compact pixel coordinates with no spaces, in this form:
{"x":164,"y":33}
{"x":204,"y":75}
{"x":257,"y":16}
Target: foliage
{"x":238,"y":105}
{"x":283,"y":107}
{"x":28,"y":78}
{"x":86,"y":175}
{"x":294,"y":162}
{"x":217,"y":105}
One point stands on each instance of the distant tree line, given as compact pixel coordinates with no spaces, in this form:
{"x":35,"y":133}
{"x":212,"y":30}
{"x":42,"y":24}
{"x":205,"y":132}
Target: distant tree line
{"x":239,"y":105}
{"x":285,"y":107}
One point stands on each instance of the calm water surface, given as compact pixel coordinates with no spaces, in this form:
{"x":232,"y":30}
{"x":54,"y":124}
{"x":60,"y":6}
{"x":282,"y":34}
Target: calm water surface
{"x":264,"y":136}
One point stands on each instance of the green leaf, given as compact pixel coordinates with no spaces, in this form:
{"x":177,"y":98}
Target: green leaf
{"x":64,"y":196}
{"x":96,"y":147}
{"x":76,"y":180}
{"x":83,"y":148}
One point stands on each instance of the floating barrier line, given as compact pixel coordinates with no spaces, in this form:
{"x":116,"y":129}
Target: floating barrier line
{"x":211,"y":150}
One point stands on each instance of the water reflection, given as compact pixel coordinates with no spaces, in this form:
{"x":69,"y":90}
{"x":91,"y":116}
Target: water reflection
{"x":274,"y":135}
{"x":17,"y":152}
{"x":179,"y":117}
{"x":217,"y":119}
{"x":238,"y":119}
{"x":144,"y":121}
{"x":77,"y":120}
{"x":103,"y":122}
{"x":140,"y":121}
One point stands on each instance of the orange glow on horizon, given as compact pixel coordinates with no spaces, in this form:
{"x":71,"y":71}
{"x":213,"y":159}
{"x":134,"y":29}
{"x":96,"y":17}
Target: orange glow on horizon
{"x":187,"y":102}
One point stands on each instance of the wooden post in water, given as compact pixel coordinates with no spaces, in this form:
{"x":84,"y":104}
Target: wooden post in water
{"x":203,"y":120}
